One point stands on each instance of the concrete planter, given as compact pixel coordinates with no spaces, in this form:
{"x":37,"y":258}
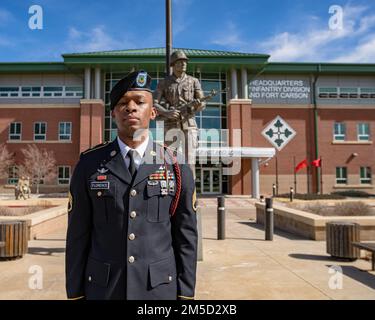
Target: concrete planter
{"x":312,"y":226}
{"x":41,"y":222}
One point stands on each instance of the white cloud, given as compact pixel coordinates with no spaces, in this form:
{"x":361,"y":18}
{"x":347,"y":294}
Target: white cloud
{"x":314,"y":41}
{"x":362,"y":53}
{"x":96,"y":39}
{"x":181,"y":17}
{"x":320,"y":42}
{"x":230,"y":38}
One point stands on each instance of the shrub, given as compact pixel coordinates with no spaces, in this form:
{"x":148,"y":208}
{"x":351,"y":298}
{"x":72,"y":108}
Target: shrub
{"x":353,"y":193}
{"x":353,"y":208}
{"x":4,"y":211}
{"x":313,"y":196}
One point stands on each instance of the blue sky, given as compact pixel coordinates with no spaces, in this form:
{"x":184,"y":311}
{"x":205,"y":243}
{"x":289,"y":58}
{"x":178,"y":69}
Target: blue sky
{"x":288,"y":30}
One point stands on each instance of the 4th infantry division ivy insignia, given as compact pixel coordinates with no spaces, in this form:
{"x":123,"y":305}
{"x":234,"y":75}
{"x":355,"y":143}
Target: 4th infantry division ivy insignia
{"x":70,"y":204}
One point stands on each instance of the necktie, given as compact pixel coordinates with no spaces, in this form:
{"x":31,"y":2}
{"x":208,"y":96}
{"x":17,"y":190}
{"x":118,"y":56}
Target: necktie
{"x":132,"y":167}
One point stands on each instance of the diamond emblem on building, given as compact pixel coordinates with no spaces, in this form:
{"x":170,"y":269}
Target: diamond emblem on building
{"x":279,"y":133}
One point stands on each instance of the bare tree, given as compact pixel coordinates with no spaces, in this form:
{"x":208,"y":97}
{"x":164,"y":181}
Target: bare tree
{"x":6,"y":160}
{"x":39,"y":164}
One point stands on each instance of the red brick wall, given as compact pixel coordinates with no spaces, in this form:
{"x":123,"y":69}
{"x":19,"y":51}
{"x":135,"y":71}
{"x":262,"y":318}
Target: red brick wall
{"x":87,"y":129}
{"x":339,"y":155}
{"x":65,"y":153}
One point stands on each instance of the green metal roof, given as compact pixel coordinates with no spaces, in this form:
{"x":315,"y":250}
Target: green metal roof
{"x":161,"y":52}
{"x":318,"y":67}
{"x":153,"y":59}
{"x":26,"y":67}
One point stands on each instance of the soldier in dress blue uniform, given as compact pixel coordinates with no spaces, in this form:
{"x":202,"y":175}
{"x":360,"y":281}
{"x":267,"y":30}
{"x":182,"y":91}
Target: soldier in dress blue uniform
{"x":132,"y":229}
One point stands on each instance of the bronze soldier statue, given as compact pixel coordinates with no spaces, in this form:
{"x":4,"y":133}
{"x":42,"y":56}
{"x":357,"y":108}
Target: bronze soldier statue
{"x":177,"y":98}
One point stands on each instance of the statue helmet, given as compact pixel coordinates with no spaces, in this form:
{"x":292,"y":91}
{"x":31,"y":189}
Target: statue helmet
{"x":178,"y":55}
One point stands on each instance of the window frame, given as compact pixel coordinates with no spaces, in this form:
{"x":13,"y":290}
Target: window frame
{"x":341,"y":178}
{"x":60,"y":179}
{"x":12,"y":135}
{"x":40,"y":134}
{"x":339,"y":135}
{"x":13,"y":180}
{"x":363,"y":135}
{"x":366,"y":171}
{"x":69,"y":135}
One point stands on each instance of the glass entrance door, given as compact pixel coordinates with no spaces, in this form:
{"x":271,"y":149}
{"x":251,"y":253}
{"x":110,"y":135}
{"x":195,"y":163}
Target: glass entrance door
{"x":210,"y":181}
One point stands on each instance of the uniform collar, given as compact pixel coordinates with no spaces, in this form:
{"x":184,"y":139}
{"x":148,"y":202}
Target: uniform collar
{"x":124,"y":148}
{"x":179,"y":79}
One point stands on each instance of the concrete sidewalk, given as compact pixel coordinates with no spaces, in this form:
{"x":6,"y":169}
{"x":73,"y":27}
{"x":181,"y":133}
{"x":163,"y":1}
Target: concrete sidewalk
{"x":243,"y":266}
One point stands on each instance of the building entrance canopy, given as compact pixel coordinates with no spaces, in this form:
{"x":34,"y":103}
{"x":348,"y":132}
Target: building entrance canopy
{"x":245,"y":153}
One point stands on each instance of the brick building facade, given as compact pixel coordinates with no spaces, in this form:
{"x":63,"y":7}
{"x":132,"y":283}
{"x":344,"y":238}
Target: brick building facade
{"x":326,"y":109}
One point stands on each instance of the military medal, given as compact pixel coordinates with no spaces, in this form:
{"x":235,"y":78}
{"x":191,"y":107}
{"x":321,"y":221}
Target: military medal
{"x":163,"y":189}
{"x":101,"y":178}
{"x":171,"y":186}
{"x":152,"y":182}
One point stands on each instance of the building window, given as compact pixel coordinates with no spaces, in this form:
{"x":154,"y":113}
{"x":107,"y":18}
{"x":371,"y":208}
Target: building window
{"x":339,"y":131}
{"x":76,"y":92}
{"x":53,"y":91}
{"x":348,"y":93}
{"x":365,"y":175}
{"x":328,"y":93}
{"x":367,"y":93}
{"x":63,"y":175}
{"x":6,"y":92}
{"x":30,"y":92}
{"x":13,"y":175}
{"x":363,"y":132}
{"x":40,"y":129}
{"x":15,"y":131}
{"x":341,"y":175}
{"x":65,"y":130}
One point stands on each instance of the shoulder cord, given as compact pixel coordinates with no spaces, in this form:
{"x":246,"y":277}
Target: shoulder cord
{"x":177,"y":172}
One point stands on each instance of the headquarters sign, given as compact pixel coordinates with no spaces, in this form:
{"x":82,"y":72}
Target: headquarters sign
{"x":275,"y":90}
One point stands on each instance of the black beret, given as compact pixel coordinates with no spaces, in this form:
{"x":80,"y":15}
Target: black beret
{"x":137,"y":80}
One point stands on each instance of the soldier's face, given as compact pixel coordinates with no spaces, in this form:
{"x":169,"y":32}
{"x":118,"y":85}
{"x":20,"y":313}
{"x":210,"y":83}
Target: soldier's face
{"x":180,"y":65}
{"x":133,"y":112}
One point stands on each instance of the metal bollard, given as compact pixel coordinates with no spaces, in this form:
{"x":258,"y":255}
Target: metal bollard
{"x":274,"y":190}
{"x":291,"y":194}
{"x":220,"y":218}
{"x":268,"y":225}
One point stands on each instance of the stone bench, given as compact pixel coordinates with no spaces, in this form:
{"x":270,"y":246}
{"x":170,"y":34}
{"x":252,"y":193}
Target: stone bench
{"x":368,"y":247}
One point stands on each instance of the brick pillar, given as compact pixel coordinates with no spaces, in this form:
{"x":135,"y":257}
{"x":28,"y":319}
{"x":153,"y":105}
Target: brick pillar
{"x":239,"y":117}
{"x":91,"y":123}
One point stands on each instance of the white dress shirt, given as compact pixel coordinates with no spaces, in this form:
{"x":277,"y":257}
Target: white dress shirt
{"x":138,"y":154}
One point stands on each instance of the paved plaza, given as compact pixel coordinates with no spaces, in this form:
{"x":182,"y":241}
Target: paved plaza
{"x":243,"y":266}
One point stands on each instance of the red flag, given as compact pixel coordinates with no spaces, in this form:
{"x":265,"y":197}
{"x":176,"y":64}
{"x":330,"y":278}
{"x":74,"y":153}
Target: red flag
{"x":301,"y":165}
{"x":317,"y":163}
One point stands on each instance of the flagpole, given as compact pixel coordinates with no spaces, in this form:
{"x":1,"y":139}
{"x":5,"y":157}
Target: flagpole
{"x":295,"y":175}
{"x":277,"y":177}
{"x":321,"y":175}
{"x":168,"y":46}
{"x":308,"y":179}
